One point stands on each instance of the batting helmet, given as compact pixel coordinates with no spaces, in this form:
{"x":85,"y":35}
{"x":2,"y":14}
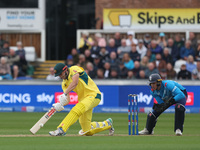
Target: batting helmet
{"x":59,"y":68}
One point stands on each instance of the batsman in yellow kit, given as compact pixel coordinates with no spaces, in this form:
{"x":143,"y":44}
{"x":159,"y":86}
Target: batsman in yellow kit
{"x":76,"y":79}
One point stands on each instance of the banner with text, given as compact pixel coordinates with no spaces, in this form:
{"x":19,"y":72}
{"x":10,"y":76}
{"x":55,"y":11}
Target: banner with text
{"x":151,"y":18}
{"x":113,"y":96}
{"x":22,"y":19}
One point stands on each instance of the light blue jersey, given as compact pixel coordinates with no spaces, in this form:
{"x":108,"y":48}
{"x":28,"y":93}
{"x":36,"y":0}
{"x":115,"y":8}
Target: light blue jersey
{"x":168,"y":90}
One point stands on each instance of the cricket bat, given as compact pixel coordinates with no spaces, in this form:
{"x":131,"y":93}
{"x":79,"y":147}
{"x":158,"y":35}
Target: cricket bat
{"x":43,"y":120}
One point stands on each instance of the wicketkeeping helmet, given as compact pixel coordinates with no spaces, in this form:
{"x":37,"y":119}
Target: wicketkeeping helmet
{"x":154,"y":78}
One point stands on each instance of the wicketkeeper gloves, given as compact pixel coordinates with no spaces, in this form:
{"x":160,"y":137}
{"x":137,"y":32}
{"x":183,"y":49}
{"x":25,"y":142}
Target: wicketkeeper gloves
{"x":163,"y":106}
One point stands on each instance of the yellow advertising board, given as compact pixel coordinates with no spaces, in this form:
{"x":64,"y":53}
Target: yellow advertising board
{"x":151,"y":18}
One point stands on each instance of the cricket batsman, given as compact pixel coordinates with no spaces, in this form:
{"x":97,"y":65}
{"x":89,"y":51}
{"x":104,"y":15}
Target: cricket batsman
{"x":166,"y":93}
{"x":76,"y":79}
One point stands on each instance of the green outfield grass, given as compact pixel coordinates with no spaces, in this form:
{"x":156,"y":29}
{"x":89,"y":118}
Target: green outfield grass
{"x":14,"y":134}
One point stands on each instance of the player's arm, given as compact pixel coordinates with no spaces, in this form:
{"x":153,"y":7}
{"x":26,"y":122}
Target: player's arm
{"x":65,"y":98}
{"x":73,"y":84}
{"x":176,"y":92}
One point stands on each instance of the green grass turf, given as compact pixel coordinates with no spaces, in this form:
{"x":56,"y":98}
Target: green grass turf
{"x":18,"y":125}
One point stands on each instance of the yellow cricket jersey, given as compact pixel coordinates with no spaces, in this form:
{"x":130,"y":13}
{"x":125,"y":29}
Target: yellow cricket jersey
{"x":85,"y":87}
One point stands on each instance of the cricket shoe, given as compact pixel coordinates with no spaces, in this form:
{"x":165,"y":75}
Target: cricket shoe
{"x":178,"y":132}
{"x":58,"y":132}
{"x":145,"y":132}
{"x":110,"y":123}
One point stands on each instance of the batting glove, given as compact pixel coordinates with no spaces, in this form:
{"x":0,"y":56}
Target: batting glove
{"x":63,"y":99}
{"x":58,"y":106}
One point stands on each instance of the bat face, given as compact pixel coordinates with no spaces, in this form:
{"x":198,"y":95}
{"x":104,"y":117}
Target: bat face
{"x":43,"y":120}
{"x":50,"y":113}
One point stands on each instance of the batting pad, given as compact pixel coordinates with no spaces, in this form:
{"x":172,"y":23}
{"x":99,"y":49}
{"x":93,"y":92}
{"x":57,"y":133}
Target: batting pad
{"x":97,"y":127}
{"x":72,"y":116}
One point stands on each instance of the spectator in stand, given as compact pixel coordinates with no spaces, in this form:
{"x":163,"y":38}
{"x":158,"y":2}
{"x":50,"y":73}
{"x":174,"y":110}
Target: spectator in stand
{"x":123,"y":49}
{"x":111,"y":46}
{"x":163,"y":74}
{"x":86,"y":42}
{"x":5,"y":71}
{"x":170,"y":45}
{"x":190,"y":64}
{"x":144,"y":63}
{"x":114,"y":61}
{"x":1,"y":41}
{"x":90,"y":70}
{"x":150,"y":70}
{"x":107,"y":70}
{"x":152,"y":57}
{"x":197,"y":55}
{"x":167,"y":57}
{"x":147,"y":40}
{"x":130,"y":75}
{"x":178,"y":43}
{"x":134,"y":55}
{"x":128,"y":62}
{"x":159,"y":63}
{"x":14,"y":62}
{"x":6,"y":45}
{"x":97,"y":62}
{"x":104,"y":55}
{"x":100,"y":73}
{"x":82,"y":61}
{"x":101,"y":42}
{"x":161,"y":40}
{"x":155,"y":48}
{"x":117,"y":38}
{"x":75,"y":55}
{"x":95,"y":49}
{"x":22,"y":54}
{"x":197,"y":71}
{"x":136,"y":69}
{"x":51,"y":75}
{"x":4,"y":51}
{"x":141,"y":49}
{"x":88,"y":55}
{"x":174,"y":51}
{"x":142,"y":75}
{"x":193,"y":40}
{"x":187,"y":50}
{"x":171,"y":73}
{"x":183,"y":74}
{"x":69,"y":61}
{"x":123,"y":71}
{"x":131,"y":39}
{"x":114,"y":73}
{"x":195,"y":75}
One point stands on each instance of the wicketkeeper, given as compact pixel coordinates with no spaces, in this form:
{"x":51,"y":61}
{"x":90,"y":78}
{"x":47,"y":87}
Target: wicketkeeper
{"x":76,"y":79}
{"x":166,"y":93}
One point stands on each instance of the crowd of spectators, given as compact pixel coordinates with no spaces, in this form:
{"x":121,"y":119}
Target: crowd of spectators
{"x":131,"y":58}
{"x":13,"y":64}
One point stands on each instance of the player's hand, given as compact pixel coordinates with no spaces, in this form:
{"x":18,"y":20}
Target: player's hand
{"x":155,"y":105}
{"x":63,"y":99}
{"x":159,"y":107}
{"x":171,"y":101}
{"x":58,"y":106}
